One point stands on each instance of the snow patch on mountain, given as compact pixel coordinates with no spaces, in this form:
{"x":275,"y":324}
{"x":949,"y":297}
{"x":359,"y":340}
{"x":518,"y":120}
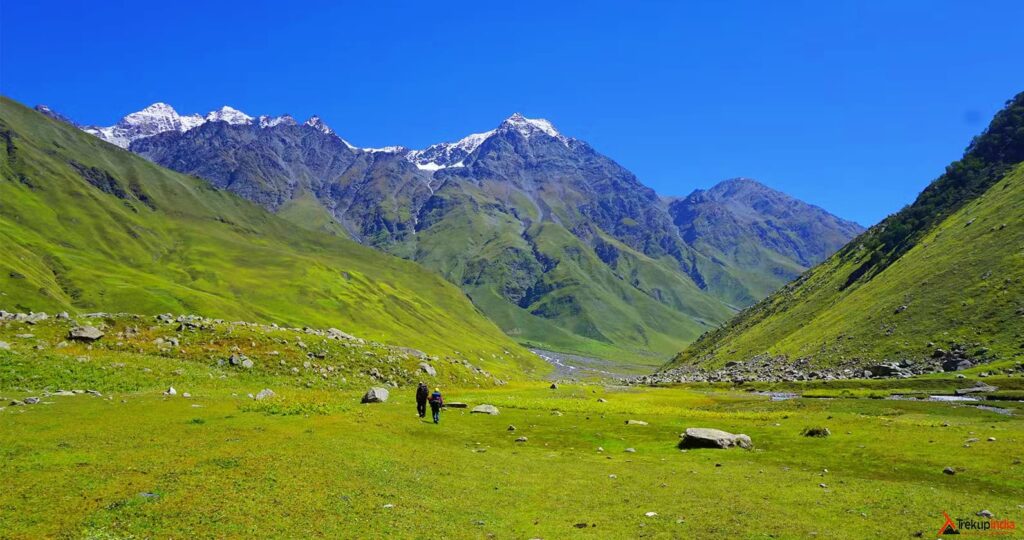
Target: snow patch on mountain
{"x":444,"y":155}
{"x":229,"y":115}
{"x":386,"y":150}
{"x":271,"y":121}
{"x":530,"y":126}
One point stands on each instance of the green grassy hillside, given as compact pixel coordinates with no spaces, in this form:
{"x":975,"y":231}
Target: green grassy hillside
{"x":947,"y":270}
{"x":633,"y":309}
{"x":86,"y":226}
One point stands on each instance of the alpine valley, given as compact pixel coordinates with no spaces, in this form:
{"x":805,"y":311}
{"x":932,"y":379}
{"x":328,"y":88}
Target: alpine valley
{"x":560,"y":246}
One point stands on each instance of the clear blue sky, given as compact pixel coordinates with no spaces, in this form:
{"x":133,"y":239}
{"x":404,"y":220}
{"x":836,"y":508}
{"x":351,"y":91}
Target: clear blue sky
{"x":850,"y":106}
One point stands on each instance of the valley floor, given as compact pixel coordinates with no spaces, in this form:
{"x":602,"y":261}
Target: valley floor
{"x":316,"y":463}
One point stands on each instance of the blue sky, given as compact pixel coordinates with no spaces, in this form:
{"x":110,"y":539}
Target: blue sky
{"x":849,"y":105}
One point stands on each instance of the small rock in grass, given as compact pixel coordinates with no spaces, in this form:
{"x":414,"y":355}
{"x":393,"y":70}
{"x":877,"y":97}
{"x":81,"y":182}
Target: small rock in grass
{"x":511,"y":427}
{"x":991,"y":439}
{"x":651,"y":514}
{"x":521,"y":439}
{"x":631,"y":450}
{"x":823,"y":486}
{"x":31,"y":400}
{"x":580,"y":525}
{"x":4,"y":346}
{"x":635,"y":423}
{"x":428,"y":369}
{"x":612,"y":476}
{"x":389,"y":505}
{"x":949,"y":470}
{"x":985,"y":514}
{"x":602,"y":400}
{"x":554,"y":386}
{"x":170,"y":391}
{"x":266,"y":393}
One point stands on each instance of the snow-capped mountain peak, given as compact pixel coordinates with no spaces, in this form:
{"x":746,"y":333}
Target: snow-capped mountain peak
{"x":317,"y":123}
{"x":156,"y":118}
{"x":531,"y":126}
{"x":444,"y":155}
{"x":159,"y":115}
{"x":229,"y":115}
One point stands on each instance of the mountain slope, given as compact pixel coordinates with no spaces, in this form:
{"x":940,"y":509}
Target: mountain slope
{"x":86,"y":226}
{"x":946,"y":271}
{"x":766,"y":237}
{"x":561,"y":246}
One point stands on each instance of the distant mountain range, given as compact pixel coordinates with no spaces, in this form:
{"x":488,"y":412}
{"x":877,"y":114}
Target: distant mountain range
{"x":559,"y":245}
{"x":940,"y":283}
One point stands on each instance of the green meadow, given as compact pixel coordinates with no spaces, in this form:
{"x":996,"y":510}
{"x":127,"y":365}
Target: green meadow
{"x":312,"y":461}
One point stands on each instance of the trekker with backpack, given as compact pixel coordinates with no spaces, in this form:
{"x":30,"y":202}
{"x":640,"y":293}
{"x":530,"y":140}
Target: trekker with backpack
{"x":422,"y":393}
{"x":436,"y":402}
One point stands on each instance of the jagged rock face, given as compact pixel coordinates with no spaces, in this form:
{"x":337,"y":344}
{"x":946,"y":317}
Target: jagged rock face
{"x":538,"y":228}
{"x":267,"y":165}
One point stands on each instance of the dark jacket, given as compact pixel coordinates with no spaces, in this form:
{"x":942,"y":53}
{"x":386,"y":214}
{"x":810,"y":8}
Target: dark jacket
{"x":421,"y":393}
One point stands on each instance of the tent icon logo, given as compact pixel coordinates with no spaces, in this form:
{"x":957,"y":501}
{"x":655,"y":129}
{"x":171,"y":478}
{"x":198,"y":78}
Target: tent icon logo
{"x":948,"y":527}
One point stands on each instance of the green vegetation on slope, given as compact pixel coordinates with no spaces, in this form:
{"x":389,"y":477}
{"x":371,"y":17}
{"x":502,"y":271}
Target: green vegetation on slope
{"x":631,"y":308}
{"x":948,"y":269}
{"x":85,"y":226}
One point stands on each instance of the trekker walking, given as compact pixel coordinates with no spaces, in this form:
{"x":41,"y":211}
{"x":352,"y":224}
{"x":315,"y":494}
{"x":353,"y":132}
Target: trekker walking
{"x":422,"y":393}
{"x":436,"y":401}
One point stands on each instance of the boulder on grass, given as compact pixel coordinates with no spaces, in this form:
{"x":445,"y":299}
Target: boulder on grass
{"x":455,"y":405}
{"x":375,"y":395}
{"x":484,"y":409}
{"x":85,"y":333}
{"x":713,"y":438}
{"x":428,"y":369}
